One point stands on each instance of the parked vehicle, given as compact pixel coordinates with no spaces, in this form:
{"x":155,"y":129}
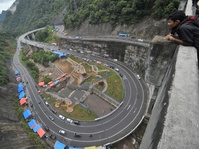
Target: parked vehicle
{"x":62,"y":132}
{"x":124,"y":35}
{"x":76,"y":122}
{"x":46,"y":102}
{"x":116,"y":69}
{"x":138,"y":76}
{"x":77,"y":37}
{"x":52,"y":137}
{"x":62,"y":117}
{"x":51,"y":118}
{"x":77,"y":135}
{"x":115,"y":60}
{"x":69,"y":120}
{"x":54,"y":111}
{"x":46,"y":128}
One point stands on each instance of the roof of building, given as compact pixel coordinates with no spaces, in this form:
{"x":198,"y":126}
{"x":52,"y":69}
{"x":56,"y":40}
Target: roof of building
{"x":32,"y":123}
{"x":23,"y":101}
{"x":27,"y":113}
{"x":59,"y":145}
{"x":41,"y":132}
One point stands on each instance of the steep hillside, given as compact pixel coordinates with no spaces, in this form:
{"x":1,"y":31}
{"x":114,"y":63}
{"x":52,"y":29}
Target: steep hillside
{"x":11,"y":134}
{"x":146,"y":28}
{"x":72,"y":13}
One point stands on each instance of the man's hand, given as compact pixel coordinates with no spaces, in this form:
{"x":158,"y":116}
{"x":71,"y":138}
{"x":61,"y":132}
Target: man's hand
{"x":170,"y":37}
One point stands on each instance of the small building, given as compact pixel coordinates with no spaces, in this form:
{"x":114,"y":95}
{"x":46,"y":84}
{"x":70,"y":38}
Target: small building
{"x":59,"y":145}
{"x":27,"y":114}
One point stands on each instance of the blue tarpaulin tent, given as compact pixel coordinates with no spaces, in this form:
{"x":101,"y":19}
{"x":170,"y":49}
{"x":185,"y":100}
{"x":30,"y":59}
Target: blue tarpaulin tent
{"x":36,"y":128}
{"x":59,"y":53}
{"x":27,"y":113}
{"x":32,"y":124}
{"x":74,"y":148}
{"x":56,"y":82}
{"x":20,"y":85}
{"x":16,"y":72}
{"x":20,"y":89}
{"x":21,"y":94}
{"x":59,"y":145}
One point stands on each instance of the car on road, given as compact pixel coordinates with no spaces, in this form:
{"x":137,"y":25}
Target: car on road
{"x":54,"y":111}
{"x":46,"y":102}
{"x":140,"y":40}
{"x":112,"y":67}
{"x":69,"y":120}
{"x":52,"y":137}
{"x":78,"y":37}
{"x":115,"y":60}
{"x":62,"y":117}
{"x":77,"y":135}
{"x":62,"y":132}
{"x":121,"y":75}
{"x":31,"y":104}
{"x":106,"y":65}
{"x":138,"y":76}
{"x":51,"y":118}
{"x":116,"y":69}
{"x":76,"y":122}
{"x":46,"y":128}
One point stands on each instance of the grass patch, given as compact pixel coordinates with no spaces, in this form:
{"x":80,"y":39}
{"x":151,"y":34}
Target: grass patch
{"x":79,"y":112}
{"x":34,"y":137}
{"x":87,"y":67}
{"x":115,"y":87}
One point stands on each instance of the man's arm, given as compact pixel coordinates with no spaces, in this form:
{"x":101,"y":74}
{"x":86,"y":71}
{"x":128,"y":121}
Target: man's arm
{"x":172,"y":38}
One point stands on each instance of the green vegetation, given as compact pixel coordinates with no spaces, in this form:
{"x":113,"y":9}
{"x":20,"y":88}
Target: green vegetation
{"x":117,"y":11}
{"x":37,"y":13}
{"x":79,"y":112}
{"x":42,"y":57}
{"x":47,"y":35}
{"x":35,"y":140}
{"x":32,"y":68}
{"x":34,"y":14}
{"x":115,"y":87}
{"x":39,"y":56}
{"x":7,"y":48}
{"x":46,"y":79}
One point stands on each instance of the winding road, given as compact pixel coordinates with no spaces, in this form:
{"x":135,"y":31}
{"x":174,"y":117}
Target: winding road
{"x":105,"y":130}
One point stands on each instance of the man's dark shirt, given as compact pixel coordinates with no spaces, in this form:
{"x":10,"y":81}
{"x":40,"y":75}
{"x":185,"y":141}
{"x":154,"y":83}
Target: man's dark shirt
{"x":188,"y":33}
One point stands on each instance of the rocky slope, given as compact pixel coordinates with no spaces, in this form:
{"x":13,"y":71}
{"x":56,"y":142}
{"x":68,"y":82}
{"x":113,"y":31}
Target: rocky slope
{"x":147,"y":28}
{"x":11,"y":134}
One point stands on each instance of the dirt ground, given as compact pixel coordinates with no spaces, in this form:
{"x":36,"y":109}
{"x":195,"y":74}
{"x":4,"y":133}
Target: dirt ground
{"x":65,"y":66}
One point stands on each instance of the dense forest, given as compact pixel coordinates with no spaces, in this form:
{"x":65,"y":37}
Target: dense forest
{"x":7,"y":46}
{"x":72,"y":13}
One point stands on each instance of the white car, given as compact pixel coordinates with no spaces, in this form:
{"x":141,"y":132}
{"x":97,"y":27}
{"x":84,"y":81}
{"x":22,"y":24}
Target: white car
{"x":115,"y":60}
{"x":140,"y":40}
{"x":69,"y":120}
{"x":138,"y":76}
{"x":46,"y":102}
{"x":62,"y":132}
{"x":116,"y":69}
{"x":62,"y":117}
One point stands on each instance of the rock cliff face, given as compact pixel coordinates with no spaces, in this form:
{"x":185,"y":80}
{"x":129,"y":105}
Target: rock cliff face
{"x":11,"y":134}
{"x":147,"y":28}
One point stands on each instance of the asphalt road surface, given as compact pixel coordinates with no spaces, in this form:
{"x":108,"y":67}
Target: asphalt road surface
{"x":107,"y":129}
